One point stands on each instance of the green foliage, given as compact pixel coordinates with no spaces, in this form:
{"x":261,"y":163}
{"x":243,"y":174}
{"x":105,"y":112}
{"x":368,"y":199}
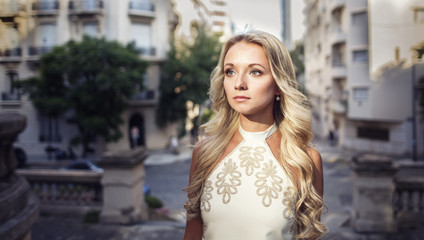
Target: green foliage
{"x":206,"y":116}
{"x":185,"y":75}
{"x":153,"y":202}
{"x":419,"y":49}
{"x":298,"y":57}
{"x":94,"y":78}
{"x":92,"y":216}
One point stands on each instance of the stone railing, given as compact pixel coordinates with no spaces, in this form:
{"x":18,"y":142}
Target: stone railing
{"x":65,"y":187}
{"x":117,"y":192}
{"x":387,"y":196}
{"x":409,"y":196}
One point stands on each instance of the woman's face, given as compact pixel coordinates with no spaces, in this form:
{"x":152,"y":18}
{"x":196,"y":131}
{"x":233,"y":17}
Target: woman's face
{"x":248,"y":82}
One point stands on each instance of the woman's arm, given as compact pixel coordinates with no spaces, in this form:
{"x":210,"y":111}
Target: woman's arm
{"x":194,"y":227}
{"x":318,"y":179}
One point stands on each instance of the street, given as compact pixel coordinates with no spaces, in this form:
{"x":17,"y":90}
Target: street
{"x":169,"y":175}
{"x":166,"y":182}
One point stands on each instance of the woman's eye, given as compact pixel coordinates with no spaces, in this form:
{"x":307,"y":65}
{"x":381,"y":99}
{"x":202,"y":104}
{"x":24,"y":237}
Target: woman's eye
{"x":229,"y":72}
{"x":256,"y":72}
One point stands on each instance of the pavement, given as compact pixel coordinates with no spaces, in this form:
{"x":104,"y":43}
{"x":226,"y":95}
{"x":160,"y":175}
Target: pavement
{"x":337,"y":197}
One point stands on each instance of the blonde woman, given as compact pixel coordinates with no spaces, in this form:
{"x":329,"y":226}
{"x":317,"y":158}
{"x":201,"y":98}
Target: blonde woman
{"x":253,"y":174}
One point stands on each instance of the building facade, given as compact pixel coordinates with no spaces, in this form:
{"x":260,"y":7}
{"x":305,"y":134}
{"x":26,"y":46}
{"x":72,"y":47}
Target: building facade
{"x":29,"y":28}
{"x":361,"y":72}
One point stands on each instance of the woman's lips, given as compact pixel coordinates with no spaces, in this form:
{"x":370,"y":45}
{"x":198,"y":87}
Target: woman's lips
{"x":241,"y":98}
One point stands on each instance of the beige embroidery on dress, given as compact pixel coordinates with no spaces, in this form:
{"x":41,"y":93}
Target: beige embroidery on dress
{"x":268,"y":183}
{"x":228,"y":180}
{"x":250,"y":162}
{"x":288,"y":202}
{"x":204,"y":203}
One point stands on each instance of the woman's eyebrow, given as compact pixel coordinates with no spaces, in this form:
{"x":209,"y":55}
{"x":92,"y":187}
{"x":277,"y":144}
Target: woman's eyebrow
{"x":250,"y":65}
{"x":256,"y":64}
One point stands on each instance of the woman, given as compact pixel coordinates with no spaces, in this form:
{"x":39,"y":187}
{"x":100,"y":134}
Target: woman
{"x":253,"y":174}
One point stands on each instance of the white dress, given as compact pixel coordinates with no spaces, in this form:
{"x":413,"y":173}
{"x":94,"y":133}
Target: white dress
{"x":248,"y":195}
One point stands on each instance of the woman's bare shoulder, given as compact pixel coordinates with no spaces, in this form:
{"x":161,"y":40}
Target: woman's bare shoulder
{"x":315,"y":156}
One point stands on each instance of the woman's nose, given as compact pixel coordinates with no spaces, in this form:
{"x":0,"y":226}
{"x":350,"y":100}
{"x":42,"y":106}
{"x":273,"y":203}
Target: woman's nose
{"x":240,"y":83}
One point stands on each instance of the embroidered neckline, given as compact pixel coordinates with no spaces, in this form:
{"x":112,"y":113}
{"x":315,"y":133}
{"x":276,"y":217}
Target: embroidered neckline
{"x":258,"y":135}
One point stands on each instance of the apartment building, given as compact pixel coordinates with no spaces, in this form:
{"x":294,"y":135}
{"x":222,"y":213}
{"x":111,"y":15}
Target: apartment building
{"x":214,"y":13}
{"x":30,"y":28}
{"x":361,"y":72}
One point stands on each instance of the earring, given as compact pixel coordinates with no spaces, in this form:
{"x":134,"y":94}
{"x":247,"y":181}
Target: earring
{"x":277,"y":98}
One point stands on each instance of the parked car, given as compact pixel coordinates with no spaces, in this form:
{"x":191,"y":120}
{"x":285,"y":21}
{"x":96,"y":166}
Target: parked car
{"x":21,"y":156}
{"x":83,"y":165}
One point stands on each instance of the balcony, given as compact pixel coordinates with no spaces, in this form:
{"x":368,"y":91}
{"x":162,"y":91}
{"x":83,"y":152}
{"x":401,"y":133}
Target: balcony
{"x":147,"y":51}
{"x":34,"y":53}
{"x":337,"y":35}
{"x":38,"y":51}
{"x":10,"y":99}
{"x":336,"y":4}
{"x":10,"y":96}
{"x":338,"y":70}
{"x":9,"y":11}
{"x":141,"y":10}
{"x":86,"y":7}
{"x":143,"y":98}
{"x":11,"y":55}
{"x":45,"y":8}
{"x":339,"y":106}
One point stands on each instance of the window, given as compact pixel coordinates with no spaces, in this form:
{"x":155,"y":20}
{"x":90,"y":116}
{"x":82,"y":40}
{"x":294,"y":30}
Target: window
{"x":13,"y":77}
{"x":11,"y":93}
{"x":48,"y":5}
{"x":397,"y":54}
{"x":360,"y":56}
{"x":145,"y":5}
{"x":90,"y":29}
{"x":359,"y":29}
{"x":360,"y":19}
{"x":218,"y":3}
{"x":219,"y":13}
{"x":373,"y":133}
{"x":419,"y":14}
{"x":89,"y":4}
{"x":50,"y":129}
{"x":48,"y":34}
{"x":141,"y":33}
{"x":360,"y":94}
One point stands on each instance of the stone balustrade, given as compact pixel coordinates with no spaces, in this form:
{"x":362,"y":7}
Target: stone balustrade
{"x":65,"y":188}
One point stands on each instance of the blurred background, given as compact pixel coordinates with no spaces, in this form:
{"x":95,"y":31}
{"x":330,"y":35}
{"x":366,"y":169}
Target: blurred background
{"x":90,"y":86}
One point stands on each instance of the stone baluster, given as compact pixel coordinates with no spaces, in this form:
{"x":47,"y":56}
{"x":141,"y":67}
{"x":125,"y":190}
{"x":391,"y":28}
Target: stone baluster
{"x":123,"y":181}
{"x":373,"y":194}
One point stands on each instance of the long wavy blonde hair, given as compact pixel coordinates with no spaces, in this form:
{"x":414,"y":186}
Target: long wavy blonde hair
{"x":292,"y":116}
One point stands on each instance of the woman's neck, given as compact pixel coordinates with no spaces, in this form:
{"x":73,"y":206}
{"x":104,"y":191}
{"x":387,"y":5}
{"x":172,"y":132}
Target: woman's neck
{"x":255,"y":125}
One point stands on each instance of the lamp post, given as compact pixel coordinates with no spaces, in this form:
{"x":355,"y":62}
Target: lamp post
{"x":415,"y":87}
{"x":414,"y":125}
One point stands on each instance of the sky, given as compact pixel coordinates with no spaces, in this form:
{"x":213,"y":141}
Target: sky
{"x":297,"y":18}
{"x":260,"y":15}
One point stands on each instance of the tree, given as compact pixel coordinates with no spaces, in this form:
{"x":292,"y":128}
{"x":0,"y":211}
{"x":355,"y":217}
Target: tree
{"x":298,"y":57}
{"x":185,"y":75}
{"x":93,"y":78}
